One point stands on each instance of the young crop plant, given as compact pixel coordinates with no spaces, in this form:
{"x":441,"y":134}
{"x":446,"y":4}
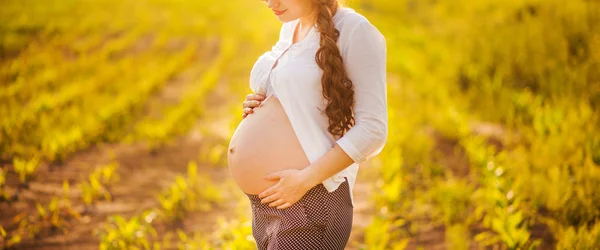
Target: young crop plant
{"x":97,"y":187}
{"x":4,"y":195}
{"x":188,"y":193}
{"x":26,"y":168}
{"x":9,"y":240}
{"x":498,"y":205}
{"x":52,"y":218}
{"x":134,"y":233}
{"x":56,"y":214}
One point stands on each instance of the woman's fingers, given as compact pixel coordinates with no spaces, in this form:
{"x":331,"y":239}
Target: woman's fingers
{"x":277,"y":203}
{"x":252,"y":101}
{"x":248,"y":110}
{"x":251,"y":104}
{"x":258,"y":97}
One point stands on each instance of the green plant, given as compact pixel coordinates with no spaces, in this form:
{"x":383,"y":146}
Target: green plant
{"x":453,"y":203}
{"x":188,"y":193}
{"x":57,"y":212}
{"x":98,"y":184}
{"x":26,"y":168}
{"x":4,"y":196}
{"x":120,"y":233}
{"x":384,"y":233}
{"x":55,"y":217}
{"x":234,"y":233}
{"x":583,"y":237}
{"x":173,"y":200}
{"x":10,"y":240}
{"x":197,"y":241}
{"x":498,"y":205}
{"x":107,"y":174}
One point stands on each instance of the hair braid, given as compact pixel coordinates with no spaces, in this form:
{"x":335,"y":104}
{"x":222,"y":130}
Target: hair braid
{"x":337,"y":87}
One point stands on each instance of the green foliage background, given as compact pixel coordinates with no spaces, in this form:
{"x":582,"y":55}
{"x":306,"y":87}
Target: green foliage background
{"x":493,"y":105}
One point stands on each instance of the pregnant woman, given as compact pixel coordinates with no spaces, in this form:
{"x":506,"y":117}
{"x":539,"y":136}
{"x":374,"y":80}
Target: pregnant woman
{"x":319,"y":108}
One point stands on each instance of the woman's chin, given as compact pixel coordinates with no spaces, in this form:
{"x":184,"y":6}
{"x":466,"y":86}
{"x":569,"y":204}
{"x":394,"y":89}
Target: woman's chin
{"x":284,"y":18}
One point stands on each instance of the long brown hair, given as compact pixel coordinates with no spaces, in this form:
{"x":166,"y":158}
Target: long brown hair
{"x":337,"y":87}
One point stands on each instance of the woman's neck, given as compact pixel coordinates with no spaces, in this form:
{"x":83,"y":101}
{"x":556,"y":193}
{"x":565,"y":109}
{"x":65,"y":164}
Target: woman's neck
{"x":309,"y":20}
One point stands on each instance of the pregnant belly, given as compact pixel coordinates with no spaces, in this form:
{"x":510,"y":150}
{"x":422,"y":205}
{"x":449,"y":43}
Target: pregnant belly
{"x":262,"y":143}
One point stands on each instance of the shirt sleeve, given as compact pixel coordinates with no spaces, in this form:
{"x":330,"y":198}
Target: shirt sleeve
{"x":365,"y":62}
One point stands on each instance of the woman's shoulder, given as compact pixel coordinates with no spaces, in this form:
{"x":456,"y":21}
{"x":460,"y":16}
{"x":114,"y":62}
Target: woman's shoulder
{"x":353,"y":25}
{"x":347,"y":19}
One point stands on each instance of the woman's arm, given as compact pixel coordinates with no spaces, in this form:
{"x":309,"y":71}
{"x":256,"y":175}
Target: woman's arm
{"x":365,"y":61}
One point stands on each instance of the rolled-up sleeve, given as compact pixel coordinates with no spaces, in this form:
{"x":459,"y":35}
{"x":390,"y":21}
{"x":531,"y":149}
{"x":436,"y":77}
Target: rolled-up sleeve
{"x":365,"y":62}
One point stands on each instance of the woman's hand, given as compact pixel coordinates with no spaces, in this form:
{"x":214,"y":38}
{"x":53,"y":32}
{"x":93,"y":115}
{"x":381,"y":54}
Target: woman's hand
{"x":290,"y":188}
{"x":252,"y":101}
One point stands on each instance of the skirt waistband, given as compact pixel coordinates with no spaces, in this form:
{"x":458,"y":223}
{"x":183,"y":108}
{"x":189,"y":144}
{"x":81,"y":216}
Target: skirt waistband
{"x":254,"y":199}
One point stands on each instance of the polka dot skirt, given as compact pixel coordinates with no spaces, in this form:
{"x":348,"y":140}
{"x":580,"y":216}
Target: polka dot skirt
{"x":319,"y":220}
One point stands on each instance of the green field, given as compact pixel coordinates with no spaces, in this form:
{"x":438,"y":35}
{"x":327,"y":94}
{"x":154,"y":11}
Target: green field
{"x":115,"y":118}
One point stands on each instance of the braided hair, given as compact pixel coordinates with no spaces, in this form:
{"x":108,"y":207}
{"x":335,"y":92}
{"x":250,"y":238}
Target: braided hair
{"x":338,"y":89}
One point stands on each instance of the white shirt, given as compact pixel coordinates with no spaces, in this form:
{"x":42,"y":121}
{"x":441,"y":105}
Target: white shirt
{"x":296,"y":81}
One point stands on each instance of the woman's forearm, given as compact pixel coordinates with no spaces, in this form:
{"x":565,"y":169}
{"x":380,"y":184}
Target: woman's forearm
{"x":334,"y":161}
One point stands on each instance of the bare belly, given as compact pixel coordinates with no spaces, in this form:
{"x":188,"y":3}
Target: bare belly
{"x":262,"y":143}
